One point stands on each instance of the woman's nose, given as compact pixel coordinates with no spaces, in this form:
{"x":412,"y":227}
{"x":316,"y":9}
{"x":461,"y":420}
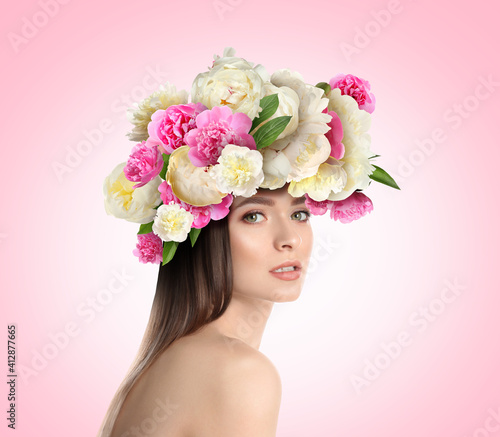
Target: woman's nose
{"x":286,"y":236}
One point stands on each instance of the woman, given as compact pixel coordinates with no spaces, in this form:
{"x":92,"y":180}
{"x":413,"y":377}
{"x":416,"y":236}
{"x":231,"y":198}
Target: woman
{"x":200,"y":372}
{"x":226,"y":183}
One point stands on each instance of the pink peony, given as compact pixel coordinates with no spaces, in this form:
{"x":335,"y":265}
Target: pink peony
{"x":168,"y":127}
{"x":354,"y":207}
{"x":202,"y":214}
{"x":357,"y":88}
{"x":318,"y":208}
{"x":143,"y":165}
{"x":215,"y":129}
{"x":335,"y":135}
{"x":149,"y":248}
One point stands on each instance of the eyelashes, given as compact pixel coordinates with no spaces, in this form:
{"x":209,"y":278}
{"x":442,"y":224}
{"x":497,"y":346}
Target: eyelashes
{"x":306,"y":212}
{"x":258,"y":212}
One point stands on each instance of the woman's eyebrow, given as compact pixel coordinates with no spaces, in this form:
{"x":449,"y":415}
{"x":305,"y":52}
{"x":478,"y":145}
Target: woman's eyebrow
{"x":268,"y":201}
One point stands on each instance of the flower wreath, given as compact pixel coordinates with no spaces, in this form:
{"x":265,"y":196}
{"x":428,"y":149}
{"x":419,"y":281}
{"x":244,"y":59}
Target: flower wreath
{"x":243,"y":130}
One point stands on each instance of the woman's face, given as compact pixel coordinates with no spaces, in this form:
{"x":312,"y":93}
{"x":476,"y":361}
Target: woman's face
{"x":268,"y":230}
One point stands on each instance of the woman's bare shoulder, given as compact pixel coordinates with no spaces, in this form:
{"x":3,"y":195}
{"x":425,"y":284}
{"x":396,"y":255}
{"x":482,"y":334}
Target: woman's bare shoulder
{"x":233,"y":387}
{"x":217,"y":357}
{"x":208,"y":384}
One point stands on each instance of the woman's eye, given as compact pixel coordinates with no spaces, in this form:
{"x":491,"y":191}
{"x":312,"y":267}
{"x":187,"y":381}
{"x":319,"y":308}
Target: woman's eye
{"x":252,"y":217}
{"x":301,"y":215}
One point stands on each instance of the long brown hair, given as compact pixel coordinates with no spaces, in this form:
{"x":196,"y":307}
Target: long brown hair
{"x":193,"y":289}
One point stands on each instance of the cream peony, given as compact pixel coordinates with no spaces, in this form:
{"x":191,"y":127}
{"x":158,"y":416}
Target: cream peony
{"x":330,"y":178}
{"x":140,"y":114}
{"x":172,"y":223}
{"x":276,"y":167}
{"x":189,"y":183}
{"x":233,"y":82}
{"x":123,"y":201}
{"x":239,"y":171}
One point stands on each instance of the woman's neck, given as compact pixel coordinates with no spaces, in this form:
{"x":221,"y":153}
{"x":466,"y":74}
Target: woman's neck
{"x":244,"y":319}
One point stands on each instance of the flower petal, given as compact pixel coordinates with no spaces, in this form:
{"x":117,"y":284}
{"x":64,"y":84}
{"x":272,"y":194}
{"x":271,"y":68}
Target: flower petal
{"x":189,"y":183}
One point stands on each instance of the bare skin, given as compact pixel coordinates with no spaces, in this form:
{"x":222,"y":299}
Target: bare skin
{"x":215,"y":382}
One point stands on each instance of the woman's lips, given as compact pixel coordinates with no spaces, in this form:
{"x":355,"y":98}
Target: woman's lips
{"x":290,"y":275}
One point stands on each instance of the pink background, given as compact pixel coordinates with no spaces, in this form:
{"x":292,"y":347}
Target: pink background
{"x":58,"y":247}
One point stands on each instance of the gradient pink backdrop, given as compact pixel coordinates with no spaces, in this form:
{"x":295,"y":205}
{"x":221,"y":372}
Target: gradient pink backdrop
{"x":59,"y":248}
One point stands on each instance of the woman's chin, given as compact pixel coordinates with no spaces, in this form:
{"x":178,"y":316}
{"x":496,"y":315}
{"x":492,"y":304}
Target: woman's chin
{"x":286,"y":295}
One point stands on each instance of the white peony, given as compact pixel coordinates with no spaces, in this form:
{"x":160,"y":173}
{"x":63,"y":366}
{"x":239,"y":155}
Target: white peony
{"x":229,"y":58}
{"x":288,"y":105}
{"x":172,"y":223}
{"x":330,"y":178}
{"x":312,"y":119}
{"x":276,"y":167}
{"x":306,"y":147}
{"x":239,"y":171}
{"x":140,"y":113}
{"x":357,"y":167}
{"x":355,"y":123}
{"x":306,"y":153}
{"x":123,"y":201}
{"x":233,"y":82}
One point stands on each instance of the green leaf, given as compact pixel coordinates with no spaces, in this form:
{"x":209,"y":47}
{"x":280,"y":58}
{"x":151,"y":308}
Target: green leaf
{"x":163,"y":172}
{"x":383,"y":177}
{"x":193,"y":235}
{"x":169,"y":248}
{"x":374,"y":156}
{"x":146,"y":228}
{"x":268,"y":133}
{"x":324,"y":86}
{"x":269,"y":105}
